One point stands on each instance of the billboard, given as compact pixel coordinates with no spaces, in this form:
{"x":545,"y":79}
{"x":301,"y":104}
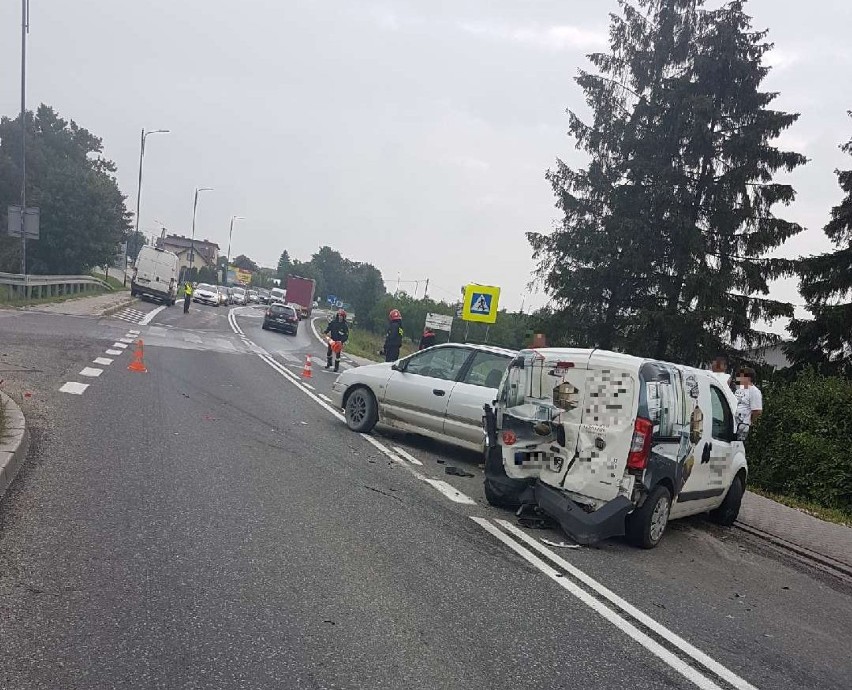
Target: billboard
{"x":237,"y":276}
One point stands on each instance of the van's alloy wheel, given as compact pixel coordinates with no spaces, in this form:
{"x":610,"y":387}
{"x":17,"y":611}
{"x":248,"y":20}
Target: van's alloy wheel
{"x":646,"y":525}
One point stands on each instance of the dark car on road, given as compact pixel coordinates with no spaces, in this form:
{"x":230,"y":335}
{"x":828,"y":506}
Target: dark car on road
{"x":281,"y":317}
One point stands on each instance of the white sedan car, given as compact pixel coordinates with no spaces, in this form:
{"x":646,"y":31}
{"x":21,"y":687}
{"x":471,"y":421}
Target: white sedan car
{"x":438,"y":392}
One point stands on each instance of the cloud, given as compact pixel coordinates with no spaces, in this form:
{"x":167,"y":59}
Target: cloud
{"x":556,"y":37}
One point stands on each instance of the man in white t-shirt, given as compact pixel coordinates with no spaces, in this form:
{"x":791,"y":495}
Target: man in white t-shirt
{"x":749,"y":398}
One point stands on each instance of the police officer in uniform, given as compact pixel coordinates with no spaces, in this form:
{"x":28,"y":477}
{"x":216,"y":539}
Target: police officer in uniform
{"x":338,"y":331}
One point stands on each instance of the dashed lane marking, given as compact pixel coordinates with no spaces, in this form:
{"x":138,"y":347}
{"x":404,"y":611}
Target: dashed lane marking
{"x":450,"y":491}
{"x":407,"y":456}
{"x":103,"y":361}
{"x":325,"y":397}
{"x":74,"y":388}
{"x":114,"y":352}
{"x":120,"y":346}
{"x":91,"y":372}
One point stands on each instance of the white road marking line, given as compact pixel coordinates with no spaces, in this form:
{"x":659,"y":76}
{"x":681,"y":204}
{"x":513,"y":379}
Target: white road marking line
{"x":120,"y":346}
{"x":91,"y":372}
{"x":133,"y":332}
{"x":450,"y":491}
{"x":103,"y":361}
{"x":622,"y":624}
{"x":446,"y":489}
{"x":292,"y":378}
{"x":407,"y":456}
{"x":114,"y":352}
{"x":324,"y":397}
{"x":322,"y":340}
{"x":128,"y":341}
{"x":308,"y":386}
{"x":151,"y":314}
{"x":631,"y":610}
{"x":74,"y":388}
{"x":383,"y":449}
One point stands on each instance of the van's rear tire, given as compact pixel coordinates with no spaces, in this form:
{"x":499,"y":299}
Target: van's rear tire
{"x":727,"y":512}
{"x":647,"y":524}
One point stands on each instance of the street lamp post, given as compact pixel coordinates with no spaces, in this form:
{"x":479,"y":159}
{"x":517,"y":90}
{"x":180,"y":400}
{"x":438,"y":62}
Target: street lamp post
{"x":230,"y":234}
{"x":139,"y":193}
{"x":192,"y":241}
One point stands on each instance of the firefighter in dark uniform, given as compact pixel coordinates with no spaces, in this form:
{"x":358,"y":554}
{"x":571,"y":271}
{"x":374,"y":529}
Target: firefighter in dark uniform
{"x":393,"y":338}
{"x":338,"y":332}
{"x":428,"y":339}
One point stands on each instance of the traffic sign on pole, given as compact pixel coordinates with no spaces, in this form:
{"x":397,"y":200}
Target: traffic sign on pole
{"x":480,"y":303}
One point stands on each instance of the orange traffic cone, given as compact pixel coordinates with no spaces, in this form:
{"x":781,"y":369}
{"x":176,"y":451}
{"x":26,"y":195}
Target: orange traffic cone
{"x":137,"y":364}
{"x":307,"y":373}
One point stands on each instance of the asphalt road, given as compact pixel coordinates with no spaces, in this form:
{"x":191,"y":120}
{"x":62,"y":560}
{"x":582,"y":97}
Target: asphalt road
{"x":213,"y":524}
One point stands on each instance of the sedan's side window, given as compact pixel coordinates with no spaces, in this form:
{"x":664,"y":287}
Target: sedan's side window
{"x":486,"y":370}
{"x":439,"y":363}
{"x":723,"y":419}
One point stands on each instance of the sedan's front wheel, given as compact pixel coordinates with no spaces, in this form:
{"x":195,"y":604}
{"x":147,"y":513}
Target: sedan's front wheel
{"x":361,"y":410}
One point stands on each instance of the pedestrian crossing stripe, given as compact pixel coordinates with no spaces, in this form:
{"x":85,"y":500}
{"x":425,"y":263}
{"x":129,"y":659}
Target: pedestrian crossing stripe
{"x":480,"y":303}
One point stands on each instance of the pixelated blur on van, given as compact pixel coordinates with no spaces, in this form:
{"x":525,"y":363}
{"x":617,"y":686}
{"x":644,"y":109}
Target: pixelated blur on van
{"x":609,"y":445}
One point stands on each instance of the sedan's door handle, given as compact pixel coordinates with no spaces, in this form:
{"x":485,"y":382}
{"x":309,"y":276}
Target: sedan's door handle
{"x":438,"y":392}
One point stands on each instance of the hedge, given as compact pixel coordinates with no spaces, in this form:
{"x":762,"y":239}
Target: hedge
{"x":802,"y":444}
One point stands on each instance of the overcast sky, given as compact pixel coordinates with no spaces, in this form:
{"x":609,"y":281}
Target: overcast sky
{"x":412,"y":134}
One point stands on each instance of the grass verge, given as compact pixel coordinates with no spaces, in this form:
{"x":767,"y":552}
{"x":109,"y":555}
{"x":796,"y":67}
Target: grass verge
{"x":363,"y":343}
{"x":835,"y":515}
{"x":114,"y":283}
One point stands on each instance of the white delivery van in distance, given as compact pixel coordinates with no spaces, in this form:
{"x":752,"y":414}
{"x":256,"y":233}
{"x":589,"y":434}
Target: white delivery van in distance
{"x":607,"y":444}
{"x":155,"y":275}
{"x":278,"y":295}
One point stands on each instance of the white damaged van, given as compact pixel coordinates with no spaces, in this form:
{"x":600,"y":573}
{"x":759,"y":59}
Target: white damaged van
{"x":608,"y":444}
{"x":155,"y":275}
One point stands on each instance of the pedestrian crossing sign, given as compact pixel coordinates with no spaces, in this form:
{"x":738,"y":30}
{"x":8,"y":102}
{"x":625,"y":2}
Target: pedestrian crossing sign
{"x":480,"y":303}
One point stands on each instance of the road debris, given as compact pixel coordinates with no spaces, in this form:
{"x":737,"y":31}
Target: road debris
{"x":449,"y":469}
{"x":560,"y":544}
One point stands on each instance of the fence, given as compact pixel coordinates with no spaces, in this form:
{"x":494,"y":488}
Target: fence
{"x":15,"y":286}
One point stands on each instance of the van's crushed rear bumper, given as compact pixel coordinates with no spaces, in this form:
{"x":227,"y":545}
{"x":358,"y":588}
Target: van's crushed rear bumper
{"x":583,"y":527}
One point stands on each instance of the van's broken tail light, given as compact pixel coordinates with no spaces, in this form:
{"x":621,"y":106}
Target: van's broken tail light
{"x":640,"y":446}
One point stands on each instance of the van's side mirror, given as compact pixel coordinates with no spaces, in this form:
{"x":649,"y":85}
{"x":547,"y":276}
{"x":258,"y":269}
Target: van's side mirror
{"x":742,"y":431}
{"x":397,"y":367}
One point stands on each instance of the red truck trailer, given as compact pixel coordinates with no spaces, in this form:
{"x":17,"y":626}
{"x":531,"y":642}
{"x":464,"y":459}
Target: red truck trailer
{"x":301,"y":291}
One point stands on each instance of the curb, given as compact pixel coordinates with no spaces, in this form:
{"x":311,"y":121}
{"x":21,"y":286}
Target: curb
{"x":14,"y":443}
{"x":118,"y":307}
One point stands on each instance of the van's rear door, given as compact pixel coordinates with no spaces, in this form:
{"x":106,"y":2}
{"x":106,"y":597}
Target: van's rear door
{"x":608,"y":395}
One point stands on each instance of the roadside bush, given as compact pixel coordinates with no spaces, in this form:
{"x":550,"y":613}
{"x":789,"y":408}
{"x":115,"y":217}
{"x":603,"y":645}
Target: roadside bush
{"x":801,"y":445}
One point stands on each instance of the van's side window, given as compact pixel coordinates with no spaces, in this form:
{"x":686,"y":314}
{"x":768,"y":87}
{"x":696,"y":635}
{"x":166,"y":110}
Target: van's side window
{"x":723,"y":419}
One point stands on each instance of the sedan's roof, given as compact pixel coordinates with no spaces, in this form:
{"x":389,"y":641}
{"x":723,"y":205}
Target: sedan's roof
{"x":481,"y":348}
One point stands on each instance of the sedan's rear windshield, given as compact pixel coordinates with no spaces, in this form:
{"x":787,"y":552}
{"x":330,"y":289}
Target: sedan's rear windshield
{"x":281,"y":309}
{"x":205,"y":286}
{"x":239,"y":291}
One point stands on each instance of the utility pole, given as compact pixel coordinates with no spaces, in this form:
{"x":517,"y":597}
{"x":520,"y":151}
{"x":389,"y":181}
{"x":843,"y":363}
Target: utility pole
{"x":138,"y":194}
{"x":426,"y":291}
{"x":25,"y":29}
{"x":192,"y":241}
{"x":230,"y":234}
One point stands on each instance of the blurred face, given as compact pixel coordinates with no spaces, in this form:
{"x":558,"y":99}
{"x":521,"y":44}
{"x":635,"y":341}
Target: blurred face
{"x":744,"y":379}
{"x":719,"y":365}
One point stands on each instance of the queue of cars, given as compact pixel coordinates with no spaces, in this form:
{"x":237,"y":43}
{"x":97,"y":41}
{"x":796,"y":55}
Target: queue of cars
{"x":603,"y":443}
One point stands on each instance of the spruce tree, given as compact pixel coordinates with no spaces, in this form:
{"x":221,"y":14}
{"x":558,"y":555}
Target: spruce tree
{"x":662,"y":249}
{"x":826,"y":284}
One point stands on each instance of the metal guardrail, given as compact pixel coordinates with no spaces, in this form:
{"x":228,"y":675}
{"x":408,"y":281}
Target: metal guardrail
{"x":26,"y":287}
